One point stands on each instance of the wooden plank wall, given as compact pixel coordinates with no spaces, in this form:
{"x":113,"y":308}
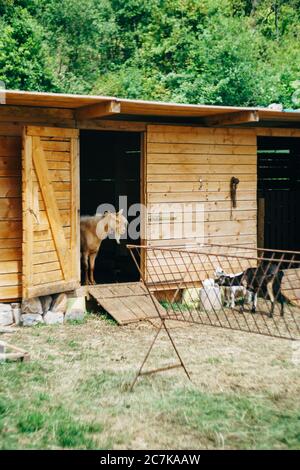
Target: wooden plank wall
{"x":176,"y":158}
{"x":50,"y":238}
{"x":190,"y":164}
{"x":179,"y":157}
{"x":44,"y":257}
{"x":10,"y":212}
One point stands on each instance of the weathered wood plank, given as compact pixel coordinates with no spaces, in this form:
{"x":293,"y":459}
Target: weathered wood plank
{"x":10,"y":166}
{"x":33,"y":114}
{"x":49,"y":197}
{"x":196,"y":177}
{"x":10,"y":129}
{"x":10,"y":229}
{"x":56,"y":145}
{"x":44,"y":257}
{"x":126,"y":303}
{"x":46,"y":267}
{"x":51,"y":132}
{"x":183,"y":159}
{"x":7,"y":267}
{"x":109,"y":125}
{"x":52,"y":288}
{"x":277,"y":132}
{"x":212,"y":206}
{"x":98,"y":110}
{"x":10,"y":146}
{"x":74,"y":210}
{"x":237,"y":215}
{"x":10,"y":187}
{"x":232,"y":118}
{"x":180,"y":134}
{"x":10,"y":292}
{"x":10,"y":208}
{"x":44,"y":278}
{"x":10,"y":279}
{"x":208,"y":229}
{"x":200,"y":196}
{"x":154,"y":169}
{"x":27,"y":169}
{"x":207,"y":149}
{"x":57,"y":156}
{"x":249,"y":240}
{"x":46,"y":235}
{"x":189,"y":186}
{"x":11,"y":254}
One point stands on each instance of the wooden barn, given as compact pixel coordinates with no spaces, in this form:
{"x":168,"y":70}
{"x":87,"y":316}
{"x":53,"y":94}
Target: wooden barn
{"x":63,"y":155}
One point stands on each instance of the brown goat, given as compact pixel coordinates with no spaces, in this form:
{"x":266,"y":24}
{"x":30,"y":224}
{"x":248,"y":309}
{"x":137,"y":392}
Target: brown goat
{"x":94,"y":229}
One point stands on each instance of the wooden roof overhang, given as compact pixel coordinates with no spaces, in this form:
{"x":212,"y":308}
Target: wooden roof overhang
{"x":89,"y":108}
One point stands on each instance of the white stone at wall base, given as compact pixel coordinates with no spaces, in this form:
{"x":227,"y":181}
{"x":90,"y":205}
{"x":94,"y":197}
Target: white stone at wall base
{"x":72,"y":316}
{"x":6,"y":315}
{"x":32,"y":306}
{"x":31,"y":319}
{"x":53,"y":318}
{"x":17,"y":315}
{"x":75,"y":308}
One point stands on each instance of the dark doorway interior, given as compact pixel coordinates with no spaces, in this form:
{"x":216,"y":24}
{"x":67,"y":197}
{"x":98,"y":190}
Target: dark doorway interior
{"x":109,"y":168}
{"x":279,"y":193}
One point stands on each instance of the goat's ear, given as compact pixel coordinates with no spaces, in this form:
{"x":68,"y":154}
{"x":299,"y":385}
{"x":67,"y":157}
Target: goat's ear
{"x":120,"y":212}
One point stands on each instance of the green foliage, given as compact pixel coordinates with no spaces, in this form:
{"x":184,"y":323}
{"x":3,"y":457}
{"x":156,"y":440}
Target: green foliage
{"x":232,"y":52}
{"x":23,"y":53}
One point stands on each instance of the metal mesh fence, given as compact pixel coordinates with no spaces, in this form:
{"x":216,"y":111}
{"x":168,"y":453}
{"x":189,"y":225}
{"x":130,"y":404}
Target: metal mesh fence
{"x":233,"y":287}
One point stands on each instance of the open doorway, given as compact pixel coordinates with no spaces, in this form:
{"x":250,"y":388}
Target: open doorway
{"x":110,"y":166}
{"x":278,"y":193}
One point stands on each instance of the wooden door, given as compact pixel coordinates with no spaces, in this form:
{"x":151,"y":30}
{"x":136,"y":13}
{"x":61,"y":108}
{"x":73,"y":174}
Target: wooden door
{"x":50,"y":197}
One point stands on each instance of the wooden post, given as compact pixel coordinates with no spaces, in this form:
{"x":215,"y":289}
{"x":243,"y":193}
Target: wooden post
{"x":260,"y":222}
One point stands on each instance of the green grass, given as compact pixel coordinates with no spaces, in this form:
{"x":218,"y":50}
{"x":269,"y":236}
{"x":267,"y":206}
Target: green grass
{"x":73,"y":395}
{"x":36,"y":420}
{"x":214,"y":360}
{"x":175,"y":306}
{"x":93,"y":308}
{"x":31,"y":422}
{"x":241,"y":421}
{"x":77,"y":322}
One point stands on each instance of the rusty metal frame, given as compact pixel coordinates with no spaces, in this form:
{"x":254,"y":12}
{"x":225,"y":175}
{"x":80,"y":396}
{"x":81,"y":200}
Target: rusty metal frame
{"x":237,"y":319}
{"x":162,"y":326}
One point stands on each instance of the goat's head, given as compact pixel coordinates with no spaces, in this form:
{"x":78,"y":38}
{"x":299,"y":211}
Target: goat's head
{"x":120,"y":224}
{"x":220,"y":276}
{"x":112,"y":222}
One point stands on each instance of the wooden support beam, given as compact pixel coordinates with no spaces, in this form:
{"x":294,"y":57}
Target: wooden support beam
{"x":13,"y":114}
{"x":231,"y":119}
{"x":110,"y":125}
{"x":94,"y":111}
